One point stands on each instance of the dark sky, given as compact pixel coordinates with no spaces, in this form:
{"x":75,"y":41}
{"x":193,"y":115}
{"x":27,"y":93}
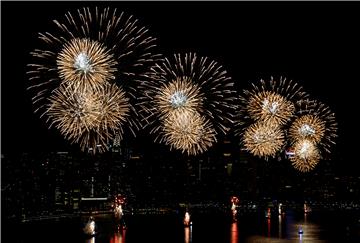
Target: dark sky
{"x":315,"y":44}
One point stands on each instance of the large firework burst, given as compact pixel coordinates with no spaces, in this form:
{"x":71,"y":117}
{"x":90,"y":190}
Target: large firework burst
{"x":188,"y":131}
{"x":314,"y":122}
{"x":92,"y":45}
{"x":306,"y":155}
{"x":85,"y":63}
{"x":192,"y":82}
{"x":263,"y":139}
{"x":90,"y":117}
{"x":188,"y":85}
{"x":89,"y":48}
{"x":272,"y":100}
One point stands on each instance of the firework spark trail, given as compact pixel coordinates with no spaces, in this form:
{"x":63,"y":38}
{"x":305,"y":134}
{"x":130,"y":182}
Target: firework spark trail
{"x":88,"y":117}
{"x":188,"y":131}
{"x":306,"y":155}
{"x":263,"y":139}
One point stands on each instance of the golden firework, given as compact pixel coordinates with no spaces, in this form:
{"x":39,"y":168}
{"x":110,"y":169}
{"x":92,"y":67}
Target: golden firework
{"x":92,"y":44}
{"x":270,"y":101}
{"x":270,"y":106}
{"x":308,"y":127}
{"x":306,"y":155}
{"x":187,"y":81}
{"x":188,"y":131}
{"x":323,"y":124}
{"x":180,"y":95}
{"x":85,"y":63}
{"x":88,"y":48}
{"x":88,"y":117}
{"x":263,"y":139}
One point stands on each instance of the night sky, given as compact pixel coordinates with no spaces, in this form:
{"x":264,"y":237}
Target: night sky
{"x":315,"y":44}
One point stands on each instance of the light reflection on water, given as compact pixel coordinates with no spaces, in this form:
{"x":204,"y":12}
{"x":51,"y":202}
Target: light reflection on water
{"x":234,"y":233}
{"x":311,"y":232}
{"x":269,"y":227}
{"x":283,"y":228}
{"x":280,"y":226}
{"x":119,"y":236}
{"x":188,"y":234}
{"x":91,"y":240}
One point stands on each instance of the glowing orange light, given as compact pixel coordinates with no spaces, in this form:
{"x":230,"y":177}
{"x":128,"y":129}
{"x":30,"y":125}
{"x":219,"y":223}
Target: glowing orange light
{"x":234,"y":233}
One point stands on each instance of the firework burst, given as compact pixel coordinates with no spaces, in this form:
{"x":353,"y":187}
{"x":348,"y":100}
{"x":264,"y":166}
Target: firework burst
{"x":88,"y":117}
{"x":263,"y":139}
{"x":306,"y":155}
{"x":179,"y":95}
{"x":188,"y":132}
{"x":315,"y":122}
{"x":190,"y":89}
{"x":86,"y":64}
{"x":271,"y":107}
{"x":272,"y":101}
{"x":307,"y":127}
{"x":191,"y":82}
{"x":88,"y":48}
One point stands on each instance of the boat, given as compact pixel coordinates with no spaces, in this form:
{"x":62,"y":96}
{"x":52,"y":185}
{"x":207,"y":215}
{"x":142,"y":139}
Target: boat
{"x":300,"y":232}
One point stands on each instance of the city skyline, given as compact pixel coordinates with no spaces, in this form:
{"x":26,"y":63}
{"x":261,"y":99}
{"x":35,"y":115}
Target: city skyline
{"x":250,"y":40}
{"x":181,"y":179}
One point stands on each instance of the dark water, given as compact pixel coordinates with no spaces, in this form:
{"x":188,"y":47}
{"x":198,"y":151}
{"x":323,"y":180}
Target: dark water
{"x":317,"y":227}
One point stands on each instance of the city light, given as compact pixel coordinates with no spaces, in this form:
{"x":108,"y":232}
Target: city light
{"x":190,"y":138}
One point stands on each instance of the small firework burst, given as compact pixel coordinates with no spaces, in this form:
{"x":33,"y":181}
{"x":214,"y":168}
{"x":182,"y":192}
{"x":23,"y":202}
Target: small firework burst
{"x":315,"y":122}
{"x":85,"y":63}
{"x":188,"y":131}
{"x":88,"y":117}
{"x":263,"y":139}
{"x":181,"y":94}
{"x":272,"y":100}
{"x":306,"y":155}
{"x":192,"y":82}
{"x":91,"y":47}
{"x":308,"y":127}
{"x":269,"y":106}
